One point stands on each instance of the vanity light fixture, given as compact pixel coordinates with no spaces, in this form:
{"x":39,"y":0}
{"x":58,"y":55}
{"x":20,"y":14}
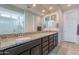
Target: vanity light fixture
{"x":43,"y":10}
{"x":34,"y":5}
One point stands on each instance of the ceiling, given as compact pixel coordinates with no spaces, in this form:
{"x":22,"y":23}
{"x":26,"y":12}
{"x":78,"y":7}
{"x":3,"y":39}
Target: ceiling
{"x":39,"y":7}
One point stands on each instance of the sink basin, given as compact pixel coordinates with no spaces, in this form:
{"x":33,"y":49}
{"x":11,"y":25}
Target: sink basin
{"x":25,"y":39}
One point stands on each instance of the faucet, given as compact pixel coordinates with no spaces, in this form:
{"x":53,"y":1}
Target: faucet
{"x":20,"y":35}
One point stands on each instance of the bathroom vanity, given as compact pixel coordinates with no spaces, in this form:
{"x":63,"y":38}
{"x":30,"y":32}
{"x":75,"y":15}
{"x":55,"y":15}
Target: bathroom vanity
{"x":32,"y":44}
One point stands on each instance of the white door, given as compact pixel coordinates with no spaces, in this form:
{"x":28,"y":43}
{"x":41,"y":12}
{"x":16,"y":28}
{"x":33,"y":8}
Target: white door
{"x":69,"y":26}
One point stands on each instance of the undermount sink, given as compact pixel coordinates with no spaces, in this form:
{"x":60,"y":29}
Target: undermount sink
{"x":25,"y":39}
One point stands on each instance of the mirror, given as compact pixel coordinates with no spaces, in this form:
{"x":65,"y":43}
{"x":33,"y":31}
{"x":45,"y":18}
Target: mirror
{"x":11,"y":21}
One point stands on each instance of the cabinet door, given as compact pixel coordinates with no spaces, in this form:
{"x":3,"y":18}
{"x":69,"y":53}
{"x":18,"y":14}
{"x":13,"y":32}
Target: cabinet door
{"x":51,"y":44}
{"x":25,"y":53}
{"x":17,"y":49}
{"x":45,"y":48}
{"x":45,"y":53}
{"x":36,"y":50}
{"x":1,"y":52}
{"x":20,"y":48}
{"x":55,"y":39}
{"x":44,"y":39}
{"x":44,"y":44}
{"x":51,"y":36}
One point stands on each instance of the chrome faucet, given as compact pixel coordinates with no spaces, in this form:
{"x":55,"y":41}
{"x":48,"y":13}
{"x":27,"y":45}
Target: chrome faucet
{"x":20,"y":35}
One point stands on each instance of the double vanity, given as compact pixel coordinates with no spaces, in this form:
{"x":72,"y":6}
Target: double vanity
{"x":39,"y":43}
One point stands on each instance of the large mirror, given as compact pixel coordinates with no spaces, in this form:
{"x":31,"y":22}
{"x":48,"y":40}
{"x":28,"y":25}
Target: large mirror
{"x":15,"y":19}
{"x":11,"y":21}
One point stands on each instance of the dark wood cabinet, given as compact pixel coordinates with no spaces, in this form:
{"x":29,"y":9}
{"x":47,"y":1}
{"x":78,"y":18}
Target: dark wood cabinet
{"x":1,"y":52}
{"x":36,"y":50}
{"x":45,"y":52}
{"x":51,"y":42}
{"x":16,"y":49}
{"x":27,"y":52}
{"x":41,"y":46}
{"x":22,"y":47}
{"x":45,"y":48}
{"x":45,"y":45}
{"x":45,"y":39}
{"x":55,"y":39}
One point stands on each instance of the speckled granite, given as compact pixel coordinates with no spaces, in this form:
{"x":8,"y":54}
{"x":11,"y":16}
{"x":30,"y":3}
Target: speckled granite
{"x":12,"y":41}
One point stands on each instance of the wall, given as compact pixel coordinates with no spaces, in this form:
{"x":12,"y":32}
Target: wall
{"x":61,"y":25}
{"x":60,"y":33}
{"x":70,"y":25}
{"x":78,"y":23}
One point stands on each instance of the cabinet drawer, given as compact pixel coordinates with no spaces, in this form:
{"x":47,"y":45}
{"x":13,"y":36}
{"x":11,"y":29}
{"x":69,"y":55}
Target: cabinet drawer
{"x":1,"y":52}
{"x":25,"y":53}
{"x":51,"y":44}
{"x":56,"y":35}
{"x":36,"y":50}
{"x":51,"y":40}
{"x":45,"y":48}
{"x":51,"y":36}
{"x":56,"y":42}
{"x":45,"y":43}
{"x":35,"y":42}
{"x":51,"y":48}
{"x":45,"y":52}
{"x":44,"y":39}
{"x":17,"y":49}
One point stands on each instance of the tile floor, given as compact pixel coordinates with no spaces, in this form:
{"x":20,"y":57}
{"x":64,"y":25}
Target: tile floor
{"x":66,"y":48}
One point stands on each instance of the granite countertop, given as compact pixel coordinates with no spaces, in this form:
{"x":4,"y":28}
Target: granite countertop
{"x":9,"y":42}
